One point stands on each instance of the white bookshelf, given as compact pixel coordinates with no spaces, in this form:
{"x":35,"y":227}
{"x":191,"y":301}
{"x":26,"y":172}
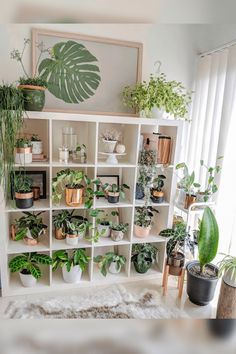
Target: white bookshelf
{"x":88,"y":128}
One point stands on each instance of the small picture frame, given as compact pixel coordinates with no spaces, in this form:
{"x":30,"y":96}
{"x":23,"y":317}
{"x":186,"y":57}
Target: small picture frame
{"x":111,"y":179}
{"x":39,"y":180}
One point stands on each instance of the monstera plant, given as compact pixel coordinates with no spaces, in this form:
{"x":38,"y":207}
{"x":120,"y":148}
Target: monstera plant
{"x":70,"y":73}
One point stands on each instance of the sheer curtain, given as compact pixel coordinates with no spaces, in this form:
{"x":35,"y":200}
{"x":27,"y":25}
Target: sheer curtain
{"x":213,"y":134}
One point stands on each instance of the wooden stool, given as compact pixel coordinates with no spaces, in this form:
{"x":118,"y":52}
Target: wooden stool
{"x":180,"y":280}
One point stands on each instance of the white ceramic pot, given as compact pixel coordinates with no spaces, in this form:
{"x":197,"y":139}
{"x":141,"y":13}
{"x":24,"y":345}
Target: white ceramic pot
{"x":103,"y":233}
{"x":37,"y":147}
{"x":157,"y":113}
{"x":109,"y":146}
{"x":120,"y":148}
{"x":23,"y":158}
{"x":228,"y":279}
{"x":73,"y":276}
{"x":72,"y":240}
{"x":117,"y":235}
{"x":112,"y":268}
{"x":28,"y":280}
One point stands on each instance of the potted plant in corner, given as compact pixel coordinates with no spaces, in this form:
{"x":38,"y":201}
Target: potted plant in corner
{"x":27,"y":265}
{"x":202,"y":276}
{"x":72,"y":265}
{"x":111,"y":262}
{"x":118,"y":230}
{"x":37,"y":144}
{"x":28,"y":228}
{"x":23,"y":151}
{"x":143,"y":221}
{"x":188,"y":184}
{"x":157,"y":192}
{"x":143,"y":256}
{"x":23,"y":190}
{"x":110,"y":139}
{"x":114,"y":192}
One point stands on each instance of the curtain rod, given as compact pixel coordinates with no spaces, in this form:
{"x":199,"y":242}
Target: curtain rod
{"x":219,"y":49}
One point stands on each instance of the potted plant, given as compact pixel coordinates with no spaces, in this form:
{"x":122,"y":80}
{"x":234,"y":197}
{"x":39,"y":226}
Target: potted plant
{"x":211,"y":188}
{"x":111,"y":262}
{"x":143,"y":256}
{"x":59,"y":223}
{"x":202,"y":276}
{"x":147,"y":157}
{"x":37,"y":144}
{"x":29,"y":228}
{"x":143,"y":221}
{"x":157,"y":193}
{"x":103,"y":226}
{"x":145,"y":182}
{"x":80,"y":153}
{"x":188,"y":184}
{"x":11,"y":122}
{"x":114,"y":192}
{"x":72,"y":265}
{"x":110,"y":139}
{"x":23,"y":154}
{"x":23,"y":191}
{"x":27,"y":265}
{"x":75,"y":230}
{"x":227,"y":269}
{"x":118,"y":231}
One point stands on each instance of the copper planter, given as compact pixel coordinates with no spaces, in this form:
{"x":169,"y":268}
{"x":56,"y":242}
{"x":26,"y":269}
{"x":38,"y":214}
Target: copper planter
{"x":59,"y":234}
{"x":74,"y":196}
{"x":36,"y":193}
{"x":189,"y":200}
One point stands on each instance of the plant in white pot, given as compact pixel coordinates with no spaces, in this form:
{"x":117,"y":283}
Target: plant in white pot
{"x":188,"y":185}
{"x":102,"y":220}
{"x":37,"y":144}
{"x":23,"y":151}
{"x":73,"y":264}
{"x":202,"y":276}
{"x":118,"y":231}
{"x":110,"y":137}
{"x":111,"y":262}
{"x":75,"y":230}
{"x":27,"y":265}
{"x":143,"y":220}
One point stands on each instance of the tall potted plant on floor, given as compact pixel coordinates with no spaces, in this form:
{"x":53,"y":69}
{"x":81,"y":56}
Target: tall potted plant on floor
{"x":202,"y":276}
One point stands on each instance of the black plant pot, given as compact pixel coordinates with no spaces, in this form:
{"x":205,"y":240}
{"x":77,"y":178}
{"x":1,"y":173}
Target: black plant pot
{"x":139,"y":193}
{"x":24,"y":200}
{"x":113,"y":198}
{"x":200,"y":290}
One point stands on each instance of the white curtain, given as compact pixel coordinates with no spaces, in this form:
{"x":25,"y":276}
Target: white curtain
{"x":213,"y":134}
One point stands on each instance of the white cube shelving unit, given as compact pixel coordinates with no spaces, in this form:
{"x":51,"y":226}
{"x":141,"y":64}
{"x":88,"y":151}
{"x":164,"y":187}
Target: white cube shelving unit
{"x":88,"y":128}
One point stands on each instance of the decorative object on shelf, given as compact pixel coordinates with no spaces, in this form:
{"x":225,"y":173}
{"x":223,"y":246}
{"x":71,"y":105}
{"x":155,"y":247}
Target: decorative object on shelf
{"x":188,"y":184}
{"x":118,"y":230}
{"x":110,"y":139}
{"x":23,"y":151}
{"x":85,"y":73}
{"x":11,"y":122}
{"x":107,"y":179}
{"x":147,"y":157}
{"x":226,"y":307}
{"x":211,"y":187}
{"x":28,"y":228}
{"x":145,"y":182}
{"x":120,"y":148}
{"x":72,"y":263}
{"x":111,"y":262}
{"x":27,"y":266}
{"x":80,"y":154}
{"x":114,"y":192}
{"x":69,"y":139}
{"x":112,"y":157}
{"x":36,"y":192}
{"x":143,"y":256}
{"x":202,"y":276}
{"x":34,"y":87}
{"x":157,"y":193}
{"x":63,"y":154}
{"x":22,"y":187}
{"x":38,"y":179}
{"x":164,"y":149}
{"x":143,"y":221}
{"x":37,"y":145}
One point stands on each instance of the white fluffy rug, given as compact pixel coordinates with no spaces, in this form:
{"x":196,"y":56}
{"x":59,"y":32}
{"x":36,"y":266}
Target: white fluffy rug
{"x":107,"y":303}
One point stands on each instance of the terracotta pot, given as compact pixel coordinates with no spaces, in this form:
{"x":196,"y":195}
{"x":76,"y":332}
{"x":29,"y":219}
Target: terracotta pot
{"x":30,"y":241}
{"x":74,"y":196}
{"x":13,"y":232}
{"x":189,"y":200}
{"x":36,"y":193}
{"x":117,"y":235}
{"x":157,"y":196}
{"x":141,"y":232}
{"x":24,"y":200}
{"x":59,"y":234}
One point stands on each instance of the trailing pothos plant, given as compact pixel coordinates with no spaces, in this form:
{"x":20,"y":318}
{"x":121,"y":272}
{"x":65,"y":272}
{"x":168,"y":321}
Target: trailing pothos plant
{"x":105,"y":261}
{"x":63,"y":258}
{"x":187,"y":183}
{"x":101,"y":218}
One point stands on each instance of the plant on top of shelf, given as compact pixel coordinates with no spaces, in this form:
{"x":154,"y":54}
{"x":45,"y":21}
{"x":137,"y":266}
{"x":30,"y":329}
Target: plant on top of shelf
{"x":103,"y":227}
{"x":114,"y":191}
{"x":168,"y":96}
{"x":29,"y":228}
{"x":110,"y":137}
{"x":143,"y":256}
{"x":72,"y":263}
{"x":143,"y":220}
{"x":11,"y":123}
{"x":118,"y":230}
{"x":227,"y":269}
{"x":211,"y":188}
{"x":202,"y":276}
{"x":27,"y":266}
{"x":70,"y":182}
{"x":22,"y":185}
{"x":157,"y":193}
{"x":111,"y":262}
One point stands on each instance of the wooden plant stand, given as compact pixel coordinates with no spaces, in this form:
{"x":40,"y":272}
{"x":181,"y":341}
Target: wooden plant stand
{"x":180,"y":280}
{"x":226,"y":308}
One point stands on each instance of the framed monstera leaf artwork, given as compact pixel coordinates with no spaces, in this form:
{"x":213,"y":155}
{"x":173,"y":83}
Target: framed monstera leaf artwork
{"x":86,"y":74}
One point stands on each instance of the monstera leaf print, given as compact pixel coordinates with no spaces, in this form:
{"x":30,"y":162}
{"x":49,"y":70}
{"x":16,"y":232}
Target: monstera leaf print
{"x":70,"y":72}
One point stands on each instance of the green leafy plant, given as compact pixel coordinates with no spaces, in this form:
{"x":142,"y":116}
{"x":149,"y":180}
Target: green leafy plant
{"x":70,"y":72}
{"x":11,"y":122}
{"x":144,"y":215}
{"x":158,"y":182}
{"x":143,"y":256}
{"x":32,"y":222}
{"x":59,"y":219}
{"x":105,"y":261}
{"x":114,"y":188}
{"x":110,"y":135}
{"x":119,"y":227}
{"x":211,"y":187}
{"x":22,"y":183}
{"x":62,"y":257}
{"x":28,"y":262}
{"x":147,"y":158}
{"x":228,"y":266}
{"x":77,"y":227}
{"x":187,"y":183}
{"x":101,"y":218}
{"x":23,"y":143}
{"x":35,"y":137}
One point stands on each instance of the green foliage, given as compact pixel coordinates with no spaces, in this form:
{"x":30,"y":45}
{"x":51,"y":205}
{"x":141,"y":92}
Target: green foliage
{"x":35,"y":137}
{"x":62,"y":257}
{"x":188,"y":181}
{"x":70,"y":72}
{"x":105,"y":261}
{"x":23,"y":143}
{"x":32,"y":222}
{"x":228,"y":266}
{"x":119,"y":227}
{"x":22,"y":183}
{"x":147,"y":158}
{"x":114,"y":188}
{"x":158,"y":182}
{"x":208,"y":238}
{"x":211,"y":187}
{"x":29,"y":262}
{"x":35,"y":81}
{"x":144,"y":215}
{"x":143,"y":256}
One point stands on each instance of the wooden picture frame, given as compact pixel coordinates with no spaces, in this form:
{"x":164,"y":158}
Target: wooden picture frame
{"x":42,"y":183}
{"x":108,"y":179}
{"x":120,"y":64}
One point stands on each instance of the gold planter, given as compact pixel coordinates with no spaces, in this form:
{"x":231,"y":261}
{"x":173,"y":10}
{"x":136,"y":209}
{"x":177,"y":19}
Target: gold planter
{"x":189,"y":200}
{"x":59,"y":234}
{"x":74,"y":197}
